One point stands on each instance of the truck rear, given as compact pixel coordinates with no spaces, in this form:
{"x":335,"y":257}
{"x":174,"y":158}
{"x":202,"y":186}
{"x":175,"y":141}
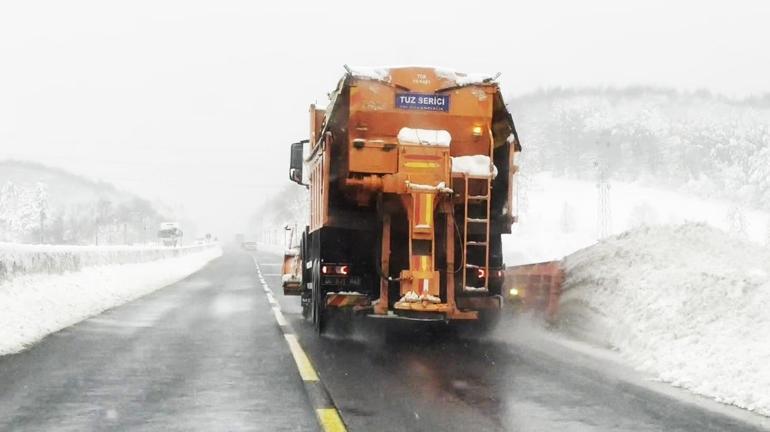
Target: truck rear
{"x":411,"y":174}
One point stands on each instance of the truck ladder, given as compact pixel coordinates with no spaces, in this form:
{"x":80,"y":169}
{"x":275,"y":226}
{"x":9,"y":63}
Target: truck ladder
{"x":477,"y":215}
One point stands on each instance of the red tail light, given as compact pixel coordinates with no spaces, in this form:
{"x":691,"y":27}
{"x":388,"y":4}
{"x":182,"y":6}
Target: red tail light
{"x":482,"y":273}
{"x":337,"y":270}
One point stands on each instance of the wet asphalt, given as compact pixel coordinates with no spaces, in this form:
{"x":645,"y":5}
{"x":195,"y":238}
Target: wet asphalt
{"x":206,"y":354}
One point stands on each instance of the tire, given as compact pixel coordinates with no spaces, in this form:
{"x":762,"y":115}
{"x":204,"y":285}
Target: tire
{"x":307,"y":275}
{"x":319,"y":312}
{"x":307,"y":307}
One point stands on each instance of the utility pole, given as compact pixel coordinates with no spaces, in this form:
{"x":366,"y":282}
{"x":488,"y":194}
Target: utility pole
{"x":604,"y":210}
{"x":42,"y":225}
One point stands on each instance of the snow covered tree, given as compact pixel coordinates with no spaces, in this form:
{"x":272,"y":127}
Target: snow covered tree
{"x":21,"y":211}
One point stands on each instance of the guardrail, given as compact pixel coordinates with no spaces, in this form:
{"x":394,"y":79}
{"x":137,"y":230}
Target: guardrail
{"x":20,"y":259}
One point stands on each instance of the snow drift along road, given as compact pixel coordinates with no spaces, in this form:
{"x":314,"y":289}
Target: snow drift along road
{"x":687,"y":303}
{"x":35,"y":305}
{"x":25,"y":259}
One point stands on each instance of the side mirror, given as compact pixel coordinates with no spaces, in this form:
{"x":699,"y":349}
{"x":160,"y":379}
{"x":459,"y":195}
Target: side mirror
{"x":296,"y":161}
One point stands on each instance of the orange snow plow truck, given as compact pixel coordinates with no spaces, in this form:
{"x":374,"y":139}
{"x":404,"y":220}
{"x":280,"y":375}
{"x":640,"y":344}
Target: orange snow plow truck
{"x":411,"y":173}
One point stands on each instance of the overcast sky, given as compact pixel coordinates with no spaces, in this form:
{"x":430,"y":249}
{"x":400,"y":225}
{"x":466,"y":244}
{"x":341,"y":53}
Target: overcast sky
{"x":195,"y":103}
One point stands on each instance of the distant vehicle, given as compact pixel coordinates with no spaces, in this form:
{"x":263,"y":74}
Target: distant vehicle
{"x":249,"y":245}
{"x":170,"y":234}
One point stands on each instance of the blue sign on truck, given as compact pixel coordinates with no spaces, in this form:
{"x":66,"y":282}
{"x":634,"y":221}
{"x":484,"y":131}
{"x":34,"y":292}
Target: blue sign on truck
{"x":423,"y":101}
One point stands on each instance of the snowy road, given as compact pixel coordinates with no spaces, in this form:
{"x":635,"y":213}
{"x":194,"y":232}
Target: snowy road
{"x":202,"y":354}
{"x":207,"y":354}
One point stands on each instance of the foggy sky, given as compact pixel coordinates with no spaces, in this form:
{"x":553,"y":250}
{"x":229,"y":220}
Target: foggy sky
{"x":194,"y":103}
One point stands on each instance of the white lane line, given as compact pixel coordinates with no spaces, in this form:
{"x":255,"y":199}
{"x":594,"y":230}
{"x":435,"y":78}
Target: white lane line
{"x":328,"y":415}
{"x":279,"y":317}
{"x":270,"y":297}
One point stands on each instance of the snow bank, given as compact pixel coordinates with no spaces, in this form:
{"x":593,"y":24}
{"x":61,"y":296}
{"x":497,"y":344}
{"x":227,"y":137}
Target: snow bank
{"x":476,"y":165}
{"x":37,"y":304}
{"x":434,"y":137}
{"x":686,"y":303}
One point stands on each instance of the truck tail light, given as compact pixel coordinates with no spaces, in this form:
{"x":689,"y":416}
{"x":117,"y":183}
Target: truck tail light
{"x":482,"y":273}
{"x":335,"y":270}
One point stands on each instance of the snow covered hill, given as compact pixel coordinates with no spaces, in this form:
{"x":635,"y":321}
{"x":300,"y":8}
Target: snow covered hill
{"x":705,"y":144}
{"x":688,"y":304}
{"x":70,"y":209}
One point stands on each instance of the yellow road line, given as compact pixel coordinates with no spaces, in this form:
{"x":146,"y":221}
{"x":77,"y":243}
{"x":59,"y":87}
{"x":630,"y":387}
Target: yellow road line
{"x":306,"y":370}
{"x":330,"y":420}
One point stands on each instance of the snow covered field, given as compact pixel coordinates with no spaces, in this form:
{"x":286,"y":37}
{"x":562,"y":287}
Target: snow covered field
{"x":560,"y":216}
{"x":35,"y":304}
{"x":688,"y":304}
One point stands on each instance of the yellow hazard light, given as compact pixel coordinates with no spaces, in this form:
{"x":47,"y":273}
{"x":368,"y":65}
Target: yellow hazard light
{"x":477,"y":131}
{"x":513,"y":292}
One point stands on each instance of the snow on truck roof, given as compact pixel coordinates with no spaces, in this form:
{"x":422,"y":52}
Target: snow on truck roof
{"x":382,"y":73}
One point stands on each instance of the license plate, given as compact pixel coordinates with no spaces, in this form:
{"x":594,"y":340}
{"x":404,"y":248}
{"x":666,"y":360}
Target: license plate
{"x":422,"y":101}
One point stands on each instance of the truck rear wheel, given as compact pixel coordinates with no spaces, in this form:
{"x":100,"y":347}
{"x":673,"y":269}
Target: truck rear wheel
{"x":319,"y":309}
{"x":307,"y":305}
{"x":307,"y":276}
